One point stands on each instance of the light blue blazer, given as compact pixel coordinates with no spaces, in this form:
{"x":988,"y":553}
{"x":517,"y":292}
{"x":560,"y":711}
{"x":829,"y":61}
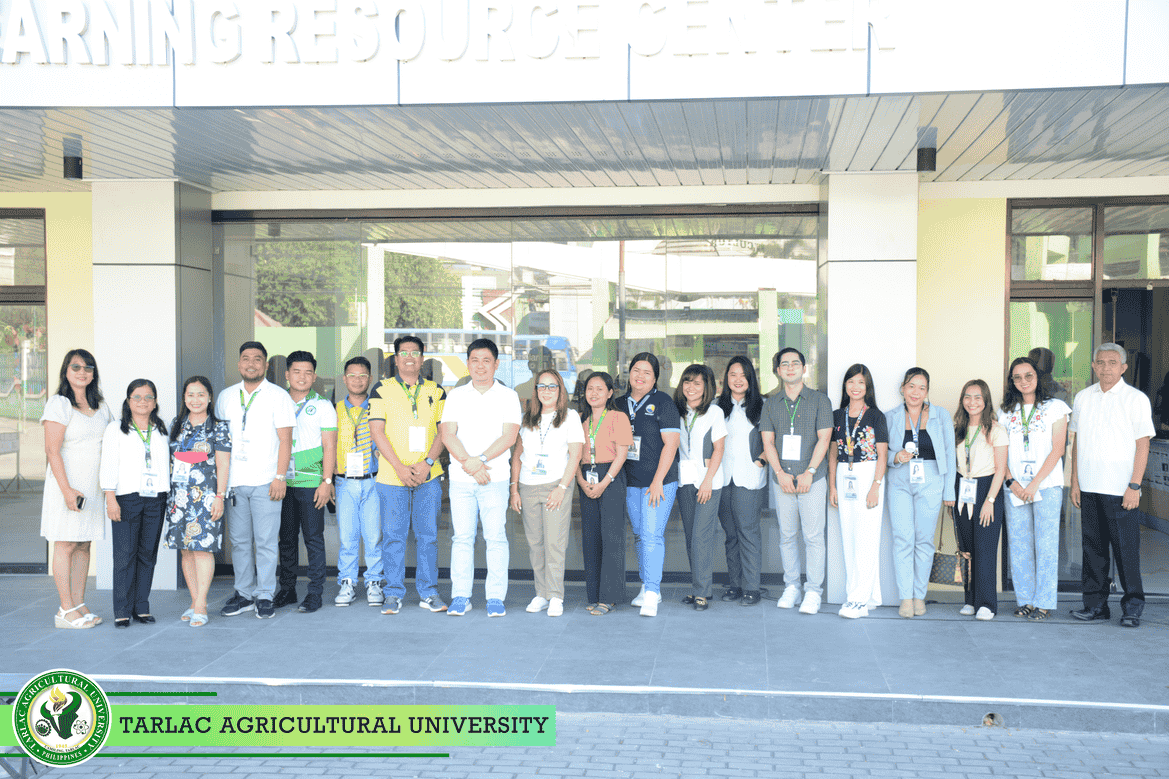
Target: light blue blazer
{"x":941,"y":429}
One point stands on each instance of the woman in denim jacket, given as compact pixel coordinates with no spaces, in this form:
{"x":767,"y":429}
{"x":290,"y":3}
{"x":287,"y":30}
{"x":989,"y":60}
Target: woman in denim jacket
{"x":920,"y":479}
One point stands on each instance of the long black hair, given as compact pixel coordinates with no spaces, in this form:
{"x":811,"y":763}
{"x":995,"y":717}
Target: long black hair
{"x":752,"y":402}
{"x":859,"y":369}
{"x":93,"y":394}
{"x":1011,"y":395}
{"x":184,"y":412}
{"x":155,"y":419}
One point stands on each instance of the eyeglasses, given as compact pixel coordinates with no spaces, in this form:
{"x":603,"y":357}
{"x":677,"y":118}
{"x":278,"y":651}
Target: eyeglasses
{"x":547,"y":387}
{"x":410,"y":353}
{"x":78,"y":368}
{"x":141,"y":398}
{"x":790,"y":364}
{"x":357,"y":375}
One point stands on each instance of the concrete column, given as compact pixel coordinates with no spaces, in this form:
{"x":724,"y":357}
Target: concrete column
{"x":153,"y":305}
{"x":869,"y":266}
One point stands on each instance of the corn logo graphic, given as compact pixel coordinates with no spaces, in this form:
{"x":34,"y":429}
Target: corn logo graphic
{"x":61,"y":718}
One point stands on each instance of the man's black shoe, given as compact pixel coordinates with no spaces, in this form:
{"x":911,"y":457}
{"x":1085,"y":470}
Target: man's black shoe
{"x":310,"y":604}
{"x":284,"y":598}
{"x":1130,"y":621}
{"x":750,"y":598}
{"x":264,"y":609}
{"x":1088,"y":615}
{"x":237,"y":605}
{"x":731,"y":594}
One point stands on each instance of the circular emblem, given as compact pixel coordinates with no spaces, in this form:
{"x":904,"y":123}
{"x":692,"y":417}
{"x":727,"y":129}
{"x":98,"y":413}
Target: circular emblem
{"x":61,"y":718}
{"x":203,"y":447}
{"x":311,"y":410}
{"x":650,"y":408}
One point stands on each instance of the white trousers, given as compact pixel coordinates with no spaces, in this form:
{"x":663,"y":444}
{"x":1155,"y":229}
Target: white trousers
{"x":860,"y":533}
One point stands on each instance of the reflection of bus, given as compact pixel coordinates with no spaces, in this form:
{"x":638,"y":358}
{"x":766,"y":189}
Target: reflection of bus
{"x":446,"y":354}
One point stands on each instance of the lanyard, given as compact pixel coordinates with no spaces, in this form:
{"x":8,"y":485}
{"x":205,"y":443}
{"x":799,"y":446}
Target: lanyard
{"x":792,"y":411}
{"x":691,"y":419}
{"x":970,"y":437}
{"x":915,"y":428}
{"x":542,"y":431}
{"x":301,"y":405}
{"x":185,"y":444}
{"x":1027,"y":423}
{"x":361,"y":414}
{"x":635,"y":407}
{"x":145,"y":439}
{"x":593,"y":430}
{"x":413,"y":398}
{"x":849,"y":438}
{"x":244,"y":423}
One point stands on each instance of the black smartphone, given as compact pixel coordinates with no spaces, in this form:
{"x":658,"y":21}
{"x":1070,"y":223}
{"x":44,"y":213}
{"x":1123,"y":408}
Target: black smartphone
{"x":80,"y":502}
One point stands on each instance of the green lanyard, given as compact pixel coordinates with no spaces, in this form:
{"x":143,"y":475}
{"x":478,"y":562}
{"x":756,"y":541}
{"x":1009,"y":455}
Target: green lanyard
{"x":244,"y":423}
{"x":593,"y":430}
{"x":691,"y":419}
{"x":970,"y":437}
{"x":413,"y":398}
{"x":793,"y":410}
{"x":145,"y":440}
{"x":1027,"y":424}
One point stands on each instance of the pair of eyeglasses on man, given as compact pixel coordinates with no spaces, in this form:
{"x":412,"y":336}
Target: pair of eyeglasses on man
{"x":409,"y":353}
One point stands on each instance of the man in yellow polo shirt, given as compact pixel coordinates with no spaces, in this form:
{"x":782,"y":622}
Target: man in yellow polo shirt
{"x":403,"y":420}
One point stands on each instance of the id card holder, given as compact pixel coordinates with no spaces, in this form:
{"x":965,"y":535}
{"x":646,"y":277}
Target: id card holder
{"x":290,"y":474}
{"x":591,"y":477}
{"x":417,"y":438}
{"x":634,"y":453}
{"x":791,"y":447}
{"x":239,"y":449}
{"x":690,"y":472}
{"x":152,"y":483}
{"x":967,"y":490}
{"x":1028,"y":471}
{"x":850,"y":488}
{"x":540,"y":466}
{"x":180,"y":472}
{"x":917,"y":472}
{"x":354,"y":465}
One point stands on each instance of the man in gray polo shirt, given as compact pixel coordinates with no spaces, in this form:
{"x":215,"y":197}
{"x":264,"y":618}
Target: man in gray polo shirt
{"x":799,"y":420}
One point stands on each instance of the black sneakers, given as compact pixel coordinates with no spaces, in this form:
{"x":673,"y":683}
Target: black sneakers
{"x":237,"y":605}
{"x":310,"y":604}
{"x":284,"y":598}
{"x":265,"y":609}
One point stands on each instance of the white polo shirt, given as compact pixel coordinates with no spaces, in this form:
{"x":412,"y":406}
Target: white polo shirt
{"x":481,"y":417}
{"x":1107,"y":426}
{"x":254,"y":447}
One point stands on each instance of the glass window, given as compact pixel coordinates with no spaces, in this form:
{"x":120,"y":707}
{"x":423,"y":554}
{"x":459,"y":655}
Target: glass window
{"x":1051,"y":244}
{"x":1136,"y":242}
{"x":23,"y":391}
{"x":22,"y":251}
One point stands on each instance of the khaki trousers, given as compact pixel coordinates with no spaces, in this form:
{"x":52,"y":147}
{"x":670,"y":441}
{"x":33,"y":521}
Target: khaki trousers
{"x":547,"y":534}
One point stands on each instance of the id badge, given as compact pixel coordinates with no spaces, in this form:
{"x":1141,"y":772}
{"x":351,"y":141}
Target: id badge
{"x":540,"y":466}
{"x":850,"y":488}
{"x":967,"y":490}
{"x":917,"y":472}
{"x":791,"y":447}
{"x":180,"y":472}
{"x":690,"y":472}
{"x":417,"y":438}
{"x":290,"y":474}
{"x":151,"y":484}
{"x":354,"y":465}
{"x":239,"y":451}
{"x":1028,"y":471}
{"x":591,"y":477}
{"x":634,"y":453}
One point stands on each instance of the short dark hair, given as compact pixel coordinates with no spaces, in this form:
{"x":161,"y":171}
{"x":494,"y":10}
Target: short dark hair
{"x":253,"y":345}
{"x":300,"y":356}
{"x":651,"y":359}
{"x":786,"y":350}
{"x":483,"y":343}
{"x":358,"y":360}
{"x":406,"y":339}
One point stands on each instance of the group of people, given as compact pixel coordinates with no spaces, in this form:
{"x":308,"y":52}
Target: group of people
{"x":265,"y":462}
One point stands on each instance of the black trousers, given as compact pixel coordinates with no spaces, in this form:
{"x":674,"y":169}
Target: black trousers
{"x":738,"y":512}
{"x":298,"y":515}
{"x":1105,"y":524}
{"x":135,"y":542}
{"x":982,"y":543}
{"x":602,"y":538}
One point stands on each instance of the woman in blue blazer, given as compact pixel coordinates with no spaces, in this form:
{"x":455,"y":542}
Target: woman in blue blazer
{"x":921,"y":477}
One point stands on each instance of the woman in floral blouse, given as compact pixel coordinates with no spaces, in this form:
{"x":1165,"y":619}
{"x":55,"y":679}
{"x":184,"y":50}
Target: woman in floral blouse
{"x":200,"y":447}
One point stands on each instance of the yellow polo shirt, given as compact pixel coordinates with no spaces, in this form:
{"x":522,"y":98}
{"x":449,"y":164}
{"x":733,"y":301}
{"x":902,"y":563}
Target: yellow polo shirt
{"x":419,"y":406}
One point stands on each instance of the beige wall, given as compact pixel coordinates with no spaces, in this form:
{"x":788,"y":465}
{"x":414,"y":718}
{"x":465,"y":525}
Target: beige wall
{"x":69,"y":256}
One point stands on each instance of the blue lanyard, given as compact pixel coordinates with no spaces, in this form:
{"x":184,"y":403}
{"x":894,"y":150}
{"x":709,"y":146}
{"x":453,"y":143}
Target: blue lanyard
{"x":635,"y":407}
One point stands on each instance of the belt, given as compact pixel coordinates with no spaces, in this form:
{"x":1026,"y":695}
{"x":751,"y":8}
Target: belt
{"x":356,"y":478}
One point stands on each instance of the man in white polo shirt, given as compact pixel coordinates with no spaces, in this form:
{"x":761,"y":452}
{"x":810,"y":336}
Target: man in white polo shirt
{"x":261,"y":417}
{"x":1113,"y":423}
{"x":479,"y":427}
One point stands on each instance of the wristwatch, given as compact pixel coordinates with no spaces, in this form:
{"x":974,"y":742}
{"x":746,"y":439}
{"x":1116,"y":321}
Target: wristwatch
{"x":1132,"y":485}
{"x":280,"y":476}
{"x":430,"y":461}
{"x":329,"y":480}
{"x":1008,"y":483}
{"x":483,"y":457}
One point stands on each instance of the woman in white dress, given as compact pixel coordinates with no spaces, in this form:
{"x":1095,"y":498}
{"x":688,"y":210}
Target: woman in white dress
{"x":73,"y":512}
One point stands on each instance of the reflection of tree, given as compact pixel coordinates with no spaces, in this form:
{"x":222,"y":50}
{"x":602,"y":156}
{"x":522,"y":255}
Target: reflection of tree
{"x":786,"y":249}
{"x":302,"y":283}
{"x":421,"y":293}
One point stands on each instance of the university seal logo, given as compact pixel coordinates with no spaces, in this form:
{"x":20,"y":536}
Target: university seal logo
{"x":61,"y":718}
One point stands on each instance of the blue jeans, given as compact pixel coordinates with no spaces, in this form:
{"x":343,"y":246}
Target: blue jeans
{"x":403,"y":507}
{"x":913,"y":512}
{"x":470,"y":505}
{"x":1033,"y":539}
{"x":649,"y":528}
{"x":359,"y":521}
{"x":254,"y":520}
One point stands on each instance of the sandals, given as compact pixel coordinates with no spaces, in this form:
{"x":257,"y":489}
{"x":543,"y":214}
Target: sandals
{"x":598,"y":609}
{"x":1038,"y":615}
{"x":198,"y":620}
{"x":81,"y":623}
{"x":1024,"y":611}
{"x":700,"y":603}
{"x":187,"y":615}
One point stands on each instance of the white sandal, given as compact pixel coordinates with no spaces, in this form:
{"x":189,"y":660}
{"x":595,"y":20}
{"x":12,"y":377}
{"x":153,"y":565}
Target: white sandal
{"x":95,"y":619}
{"x":80,"y":623}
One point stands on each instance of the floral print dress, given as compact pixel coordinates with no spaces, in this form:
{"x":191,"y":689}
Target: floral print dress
{"x":192,"y":495}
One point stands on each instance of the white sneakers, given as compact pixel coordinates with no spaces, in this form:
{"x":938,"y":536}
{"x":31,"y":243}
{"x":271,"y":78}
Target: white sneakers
{"x":790,"y":596}
{"x":346,"y":595}
{"x":649,"y":604}
{"x":984,"y":614}
{"x":811,"y":603}
{"x":853,"y":610}
{"x":967,"y":610}
{"x":640,"y":597}
{"x":538,"y":604}
{"x":555,"y":607}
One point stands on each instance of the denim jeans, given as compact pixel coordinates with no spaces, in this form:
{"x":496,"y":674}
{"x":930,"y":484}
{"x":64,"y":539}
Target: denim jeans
{"x":359,"y":521}
{"x":403,"y":507}
{"x":1033,"y":539}
{"x":649,"y":527}
{"x":254,"y":519}
{"x":470,"y":505}
{"x":913,"y":512}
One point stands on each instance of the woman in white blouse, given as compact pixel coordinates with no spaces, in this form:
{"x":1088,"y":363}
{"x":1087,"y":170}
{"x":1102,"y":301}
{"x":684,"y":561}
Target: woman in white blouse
{"x":543,"y":470}
{"x":135,"y":476}
{"x":700,"y":476}
{"x":1037,"y":425}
